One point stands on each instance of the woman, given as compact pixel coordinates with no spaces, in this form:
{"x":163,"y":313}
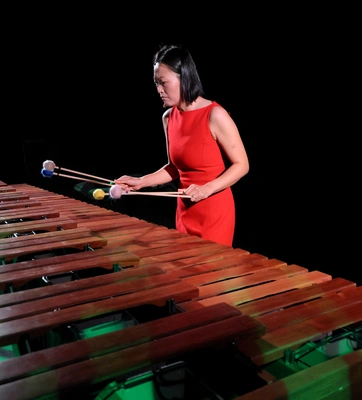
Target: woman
{"x":204,"y":147}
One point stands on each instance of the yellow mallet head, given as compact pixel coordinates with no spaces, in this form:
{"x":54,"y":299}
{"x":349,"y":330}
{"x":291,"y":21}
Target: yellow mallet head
{"x":99,"y":194}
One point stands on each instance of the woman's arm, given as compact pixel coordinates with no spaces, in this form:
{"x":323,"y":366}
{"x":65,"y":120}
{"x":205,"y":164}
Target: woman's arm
{"x":225,"y":131}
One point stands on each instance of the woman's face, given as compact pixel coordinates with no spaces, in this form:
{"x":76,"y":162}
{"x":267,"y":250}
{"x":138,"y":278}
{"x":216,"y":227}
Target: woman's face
{"x":168,"y":85}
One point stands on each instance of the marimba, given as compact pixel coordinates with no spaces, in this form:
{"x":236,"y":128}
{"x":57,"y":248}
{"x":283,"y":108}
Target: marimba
{"x":96,"y":304}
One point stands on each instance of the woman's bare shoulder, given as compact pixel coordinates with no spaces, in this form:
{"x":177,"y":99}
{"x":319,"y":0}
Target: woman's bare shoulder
{"x":219,"y":112}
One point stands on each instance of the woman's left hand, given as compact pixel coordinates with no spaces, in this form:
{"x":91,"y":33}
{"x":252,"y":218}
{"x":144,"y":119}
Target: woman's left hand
{"x":196,"y":192}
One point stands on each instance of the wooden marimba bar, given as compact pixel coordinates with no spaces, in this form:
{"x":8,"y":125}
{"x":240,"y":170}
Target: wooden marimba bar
{"x":91,"y":300}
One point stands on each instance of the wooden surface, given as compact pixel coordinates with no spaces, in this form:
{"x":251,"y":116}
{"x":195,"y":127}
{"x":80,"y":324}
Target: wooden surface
{"x":276,"y":307}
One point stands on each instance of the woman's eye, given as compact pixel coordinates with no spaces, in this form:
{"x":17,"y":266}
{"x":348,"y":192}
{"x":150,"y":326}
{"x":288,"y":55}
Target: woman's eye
{"x":163,"y":84}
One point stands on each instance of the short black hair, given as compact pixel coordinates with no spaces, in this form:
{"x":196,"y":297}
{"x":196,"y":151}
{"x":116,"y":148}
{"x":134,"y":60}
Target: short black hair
{"x":179,"y":60}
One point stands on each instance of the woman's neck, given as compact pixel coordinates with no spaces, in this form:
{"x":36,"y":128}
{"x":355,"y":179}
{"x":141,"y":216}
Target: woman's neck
{"x":200,"y":102}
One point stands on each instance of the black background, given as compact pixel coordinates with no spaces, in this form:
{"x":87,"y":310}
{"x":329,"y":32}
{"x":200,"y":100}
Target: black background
{"x":80,"y":92}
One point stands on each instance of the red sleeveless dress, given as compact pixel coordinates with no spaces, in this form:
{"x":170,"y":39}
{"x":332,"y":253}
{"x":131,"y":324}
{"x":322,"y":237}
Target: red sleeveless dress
{"x":199,"y":160}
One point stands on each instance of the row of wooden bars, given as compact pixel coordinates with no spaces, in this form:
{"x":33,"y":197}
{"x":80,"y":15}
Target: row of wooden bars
{"x":192,"y":297}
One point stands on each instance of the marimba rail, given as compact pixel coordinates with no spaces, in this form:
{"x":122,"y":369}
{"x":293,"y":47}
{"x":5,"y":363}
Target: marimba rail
{"x":94,"y":302}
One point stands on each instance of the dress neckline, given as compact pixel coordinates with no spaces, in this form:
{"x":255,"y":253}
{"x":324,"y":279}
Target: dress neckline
{"x":196,"y":109}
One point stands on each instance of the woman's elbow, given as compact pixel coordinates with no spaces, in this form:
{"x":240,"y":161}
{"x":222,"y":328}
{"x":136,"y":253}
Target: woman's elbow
{"x":244,"y":168}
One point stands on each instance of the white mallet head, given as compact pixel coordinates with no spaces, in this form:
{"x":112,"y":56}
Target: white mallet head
{"x":49,"y":165}
{"x":115,"y":192}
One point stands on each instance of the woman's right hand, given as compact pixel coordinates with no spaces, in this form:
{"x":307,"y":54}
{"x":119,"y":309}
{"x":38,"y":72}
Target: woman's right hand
{"x":128,"y":183}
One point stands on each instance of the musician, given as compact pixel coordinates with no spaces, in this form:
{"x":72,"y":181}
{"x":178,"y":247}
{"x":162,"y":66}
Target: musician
{"x":205,"y":151}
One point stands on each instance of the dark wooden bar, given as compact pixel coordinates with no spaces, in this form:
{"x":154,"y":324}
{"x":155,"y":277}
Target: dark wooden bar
{"x":70,"y":268}
{"x":6,"y":188}
{"x":107,"y":258}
